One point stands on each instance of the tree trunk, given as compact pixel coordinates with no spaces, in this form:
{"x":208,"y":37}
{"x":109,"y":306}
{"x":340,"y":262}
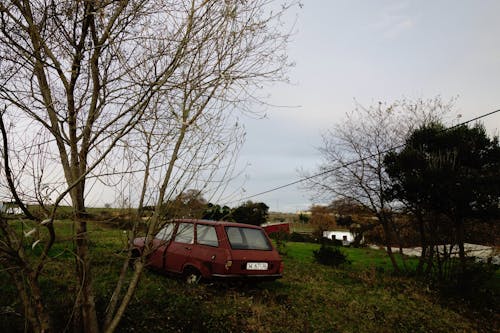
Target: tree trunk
{"x":399,"y":240}
{"x":86,"y":301}
{"x":388,"y":243}
{"x":460,"y":242}
{"x":360,"y":231}
{"x":139,"y":267}
{"x":25,"y":279}
{"x":31,"y":297}
{"x":433,"y":246}
{"x":115,"y":297}
{"x":29,"y":308}
{"x":423,"y":244}
{"x":41,"y":312}
{"x":430,"y":261}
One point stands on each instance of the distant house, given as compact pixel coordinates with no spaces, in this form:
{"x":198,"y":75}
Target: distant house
{"x":10,"y":208}
{"x":345,"y":236}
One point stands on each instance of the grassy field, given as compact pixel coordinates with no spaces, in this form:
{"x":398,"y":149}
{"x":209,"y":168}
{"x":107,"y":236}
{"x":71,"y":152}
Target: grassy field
{"x":361,"y":297}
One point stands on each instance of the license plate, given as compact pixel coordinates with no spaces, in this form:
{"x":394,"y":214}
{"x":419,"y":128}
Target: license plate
{"x":257,"y":266}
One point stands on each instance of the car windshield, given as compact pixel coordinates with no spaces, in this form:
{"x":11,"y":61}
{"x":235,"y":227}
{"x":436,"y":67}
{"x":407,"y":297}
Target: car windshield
{"x":247,"y":239}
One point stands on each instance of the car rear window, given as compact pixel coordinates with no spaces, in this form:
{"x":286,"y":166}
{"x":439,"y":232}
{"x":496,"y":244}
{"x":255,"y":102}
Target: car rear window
{"x":247,"y":239}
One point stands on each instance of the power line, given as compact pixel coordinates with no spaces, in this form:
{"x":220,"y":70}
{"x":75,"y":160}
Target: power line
{"x":298,"y":181}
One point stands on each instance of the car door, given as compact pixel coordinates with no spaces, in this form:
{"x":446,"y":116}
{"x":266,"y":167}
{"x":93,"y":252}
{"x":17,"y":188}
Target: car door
{"x":208,"y":255}
{"x":161,"y":243}
{"x":180,"y":247}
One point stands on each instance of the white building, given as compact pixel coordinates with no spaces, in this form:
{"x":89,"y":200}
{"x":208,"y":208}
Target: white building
{"x":10,"y":208}
{"x":345,"y":236}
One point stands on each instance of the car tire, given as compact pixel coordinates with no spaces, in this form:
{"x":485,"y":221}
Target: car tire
{"x":191,"y":275}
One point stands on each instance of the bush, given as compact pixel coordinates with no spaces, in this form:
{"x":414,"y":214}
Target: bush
{"x":330,"y":256}
{"x":280,"y":238}
{"x":475,"y":283}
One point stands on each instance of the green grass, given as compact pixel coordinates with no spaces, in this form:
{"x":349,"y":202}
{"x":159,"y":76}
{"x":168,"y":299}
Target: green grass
{"x":361,"y":297}
{"x":361,"y":258}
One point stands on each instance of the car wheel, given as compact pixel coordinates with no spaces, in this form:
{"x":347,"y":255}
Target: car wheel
{"x":192,"y":276}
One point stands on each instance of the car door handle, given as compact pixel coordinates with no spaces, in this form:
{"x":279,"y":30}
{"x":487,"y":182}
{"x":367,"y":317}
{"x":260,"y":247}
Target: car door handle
{"x":187,"y":248}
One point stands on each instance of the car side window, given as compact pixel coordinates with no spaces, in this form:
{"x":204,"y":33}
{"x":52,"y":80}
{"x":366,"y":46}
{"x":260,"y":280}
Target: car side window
{"x":185,"y":233}
{"x":166,"y":232}
{"x":206,"y":235}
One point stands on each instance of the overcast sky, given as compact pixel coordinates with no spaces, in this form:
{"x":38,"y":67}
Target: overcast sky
{"x":369,"y":51}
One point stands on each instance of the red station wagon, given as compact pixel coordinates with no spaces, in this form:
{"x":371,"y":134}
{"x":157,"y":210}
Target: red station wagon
{"x":212,"y":250}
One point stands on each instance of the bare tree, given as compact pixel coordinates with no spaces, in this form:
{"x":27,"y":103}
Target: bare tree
{"x":172,"y":161}
{"x":93,"y":75}
{"x":354,"y":150}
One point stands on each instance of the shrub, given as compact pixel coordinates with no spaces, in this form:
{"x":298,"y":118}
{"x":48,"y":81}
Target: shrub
{"x":474,"y":282}
{"x":281,"y":238}
{"x":330,"y":256}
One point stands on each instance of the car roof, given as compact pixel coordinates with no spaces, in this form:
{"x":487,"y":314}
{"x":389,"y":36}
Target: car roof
{"x":222,"y":223}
